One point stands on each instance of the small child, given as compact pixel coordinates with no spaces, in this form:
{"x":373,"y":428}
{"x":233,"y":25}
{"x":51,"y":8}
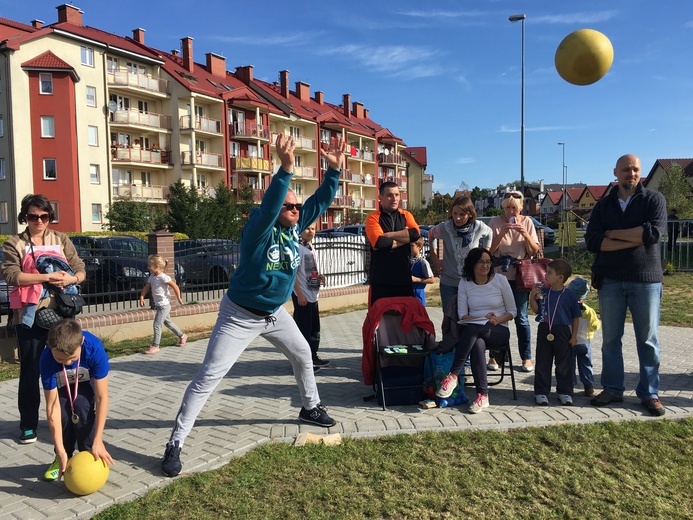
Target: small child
{"x":556,"y":335}
{"x":305,"y":296}
{"x":421,"y":273}
{"x":588,"y":325}
{"x":159,"y":282}
{"x":74,"y":374}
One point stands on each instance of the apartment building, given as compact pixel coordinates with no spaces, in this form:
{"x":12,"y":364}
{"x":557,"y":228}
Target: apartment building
{"x":87,"y":117}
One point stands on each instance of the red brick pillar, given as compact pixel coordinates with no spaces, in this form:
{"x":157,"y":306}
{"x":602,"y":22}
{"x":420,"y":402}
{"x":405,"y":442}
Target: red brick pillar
{"x":161,"y":243}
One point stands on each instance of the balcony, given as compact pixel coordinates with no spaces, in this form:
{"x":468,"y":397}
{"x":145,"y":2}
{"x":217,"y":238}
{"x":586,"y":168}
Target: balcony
{"x":346,"y":175}
{"x":203,"y":159}
{"x":123,"y":78}
{"x":305,"y":172}
{"x":135,"y":117}
{"x":203,"y":124}
{"x":302,"y":143}
{"x":249,"y":131}
{"x":358,"y":178}
{"x":141,"y":193}
{"x":342,"y":201}
{"x":392,"y":158}
{"x":141,"y":155}
{"x":251,"y":164}
{"x":368,"y":204}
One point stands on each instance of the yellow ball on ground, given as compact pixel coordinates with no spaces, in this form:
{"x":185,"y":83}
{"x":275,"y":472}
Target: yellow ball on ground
{"x":584,"y":57}
{"x":84,"y":475}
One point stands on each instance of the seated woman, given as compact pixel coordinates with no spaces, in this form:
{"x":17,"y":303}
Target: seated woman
{"x":486,"y":301}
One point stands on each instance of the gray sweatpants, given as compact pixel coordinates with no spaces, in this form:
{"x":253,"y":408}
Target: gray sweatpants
{"x":233,"y":332}
{"x":163,"y":317}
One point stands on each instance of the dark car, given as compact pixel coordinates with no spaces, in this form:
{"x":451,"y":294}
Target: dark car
{"x":329,"y":233}
{"x":116,"y":265}
{"x":207,"y":261}
{"x":4,"y":296}
{"x":356,"y":229}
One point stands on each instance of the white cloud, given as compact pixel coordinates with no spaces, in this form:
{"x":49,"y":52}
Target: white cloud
{"x":516,"y":129}
{"x":440,"y":14}
{"x":268,"y":41}
{"x":465,"y":160}
{"x":688,"y":25}
{"x":577,"y":18}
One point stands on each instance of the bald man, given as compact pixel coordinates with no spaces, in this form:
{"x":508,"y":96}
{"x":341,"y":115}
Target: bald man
{"x":625,"y":231}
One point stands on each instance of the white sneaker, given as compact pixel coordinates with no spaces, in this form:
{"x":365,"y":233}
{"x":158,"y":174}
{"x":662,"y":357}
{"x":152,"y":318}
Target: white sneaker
{"x":492,"y":365}
{"x":565,"y":399}
{"x":447,"y":386}
{"x":541,"y":400}
{"x":479,"y":403}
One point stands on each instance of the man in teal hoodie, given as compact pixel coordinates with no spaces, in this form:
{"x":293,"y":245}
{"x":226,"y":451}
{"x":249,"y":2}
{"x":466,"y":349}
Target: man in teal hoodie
{"x":257,"y":290}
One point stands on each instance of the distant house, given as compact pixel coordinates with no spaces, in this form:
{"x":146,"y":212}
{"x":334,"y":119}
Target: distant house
{"x":551,"y":205}
{"x":663,"y":165}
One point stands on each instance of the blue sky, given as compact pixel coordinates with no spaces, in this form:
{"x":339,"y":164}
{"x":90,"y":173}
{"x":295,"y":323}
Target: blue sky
{"x":445,"y":74}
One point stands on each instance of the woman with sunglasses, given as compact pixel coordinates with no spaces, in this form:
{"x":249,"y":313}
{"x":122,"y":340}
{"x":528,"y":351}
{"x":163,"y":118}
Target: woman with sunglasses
{"x":515,"y":238}
{"x":37,"y":213}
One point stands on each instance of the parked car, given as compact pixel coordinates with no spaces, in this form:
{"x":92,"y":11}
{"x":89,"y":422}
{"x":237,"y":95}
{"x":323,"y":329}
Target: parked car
{"x":4,"y":296}
{"x":116,"y":265}
{"x":329,"y":233}
{"x":549,"y":234}
{"x":359,"y":230}
{"x":207,"y":261}
{"x":424,"y":230}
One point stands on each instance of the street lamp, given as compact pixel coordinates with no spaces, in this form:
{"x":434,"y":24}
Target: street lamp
{"x":518,"y":18}
{"x":564,"y":220}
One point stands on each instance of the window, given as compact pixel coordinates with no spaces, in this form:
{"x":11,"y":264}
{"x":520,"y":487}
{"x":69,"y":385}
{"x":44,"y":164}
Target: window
{"x":146,"y":178}
{"x":94,"y":174}
{"x":50,"y":169}
{"x":91,"y":96}
{"x":134,"y":68}
{"x":252,"y":151}
{"x":93,"y":135}
{"x":324,"y":135}
{"x":122,"y":102}
{"x":2,"y":169}
{"x":4,"y":214}
{"x":46,"y":81}
{"x":297,"y":161}
{"x":111,"y":64}
{"x":143,"y":107}
{"x":2,"y":127}
{"x":121,"y":177}
{"x":87,"y":56}
{"x":47,"y":126}
{"x":294,"y":132}
{"x":201,"y":181}
{"x":297,"y":188}
{"x":96,"y":213}
{"x":56,"y":213}
{"x":235,"y":149}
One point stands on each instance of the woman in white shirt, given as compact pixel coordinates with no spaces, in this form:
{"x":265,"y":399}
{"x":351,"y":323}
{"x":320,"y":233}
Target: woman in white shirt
{"x":485,"y":300}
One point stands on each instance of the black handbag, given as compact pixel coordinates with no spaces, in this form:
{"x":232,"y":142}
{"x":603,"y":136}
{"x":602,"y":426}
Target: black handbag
{"x":67,"y":305}
{"x":47,"y":317}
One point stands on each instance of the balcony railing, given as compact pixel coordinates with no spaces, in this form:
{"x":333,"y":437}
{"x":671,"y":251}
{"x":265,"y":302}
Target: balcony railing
{"x":358,"y":178}
{"x":200,"y":123}
{"x":254,"y":164}
{"x":140,"y":155}
{"x":249,"y":129}
{"x":305,"y":172}
{"x":143,"y":81}
{"x":133,"y":116}
{"x":342,"y":200}
{"x":302,"y":143}
{"x":139,"y":192}
{"x":214,"y":160}
{"x":392,"y":158}
{"x":368,"y":203}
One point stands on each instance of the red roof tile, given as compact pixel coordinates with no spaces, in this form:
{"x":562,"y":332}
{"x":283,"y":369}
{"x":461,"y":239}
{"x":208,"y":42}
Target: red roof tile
{"x":418,"y":154}
{"x":47,"y":60}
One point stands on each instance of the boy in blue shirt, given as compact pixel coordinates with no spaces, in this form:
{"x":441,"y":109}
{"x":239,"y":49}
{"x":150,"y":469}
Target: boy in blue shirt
{"x":74,"y":374}
{"x":556,"y":335}
{"x":421,"y":273}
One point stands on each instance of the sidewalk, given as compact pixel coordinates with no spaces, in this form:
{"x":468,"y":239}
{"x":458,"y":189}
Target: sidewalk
{"x":247,"y":410}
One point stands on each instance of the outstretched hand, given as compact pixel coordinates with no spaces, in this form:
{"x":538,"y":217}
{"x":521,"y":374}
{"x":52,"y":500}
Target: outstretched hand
{"x":285,"y":150}
{"x":334,"y":155}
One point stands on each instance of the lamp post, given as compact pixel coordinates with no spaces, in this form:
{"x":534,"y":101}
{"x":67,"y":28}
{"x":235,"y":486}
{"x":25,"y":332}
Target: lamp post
{"x":522,"y":18}
{"x":563,"y":200}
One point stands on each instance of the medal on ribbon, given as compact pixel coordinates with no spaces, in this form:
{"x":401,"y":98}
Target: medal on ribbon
{"x":550,"y":318}
{"x":75,"y":417}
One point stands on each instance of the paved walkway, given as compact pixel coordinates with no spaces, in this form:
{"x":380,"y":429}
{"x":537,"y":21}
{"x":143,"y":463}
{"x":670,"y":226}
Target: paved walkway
{"x":258,"y":402}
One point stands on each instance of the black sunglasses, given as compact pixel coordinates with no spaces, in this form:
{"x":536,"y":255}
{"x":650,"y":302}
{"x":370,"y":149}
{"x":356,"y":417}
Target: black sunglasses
{"x":513,"y":195}
{"x":32,"y":217}
{"x":290,"y":207}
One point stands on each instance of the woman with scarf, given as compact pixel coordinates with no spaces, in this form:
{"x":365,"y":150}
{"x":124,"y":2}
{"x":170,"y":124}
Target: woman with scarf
{"x":461,"y":233}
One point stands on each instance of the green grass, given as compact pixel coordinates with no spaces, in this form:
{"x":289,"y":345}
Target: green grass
{"x":610,"y":470}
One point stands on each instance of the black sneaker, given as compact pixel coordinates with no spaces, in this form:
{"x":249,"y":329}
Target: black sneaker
{"x":604,"y":398}
{"x":316,"y":416}
{"x":317,"y":362}
{"x":27,"y":436}
{"x":654,"y":406}
{"x":171,"y":464}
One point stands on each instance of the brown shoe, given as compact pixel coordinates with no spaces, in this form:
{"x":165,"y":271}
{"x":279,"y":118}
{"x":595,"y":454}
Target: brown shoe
{"x":604,"y":398}
{"x":654,"y":406}
{"x":589,"y":390}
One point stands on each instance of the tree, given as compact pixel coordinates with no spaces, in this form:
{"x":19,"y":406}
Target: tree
{"x":477,"y":194}
{"x":126,"y":214}
{"x":677,"y":191}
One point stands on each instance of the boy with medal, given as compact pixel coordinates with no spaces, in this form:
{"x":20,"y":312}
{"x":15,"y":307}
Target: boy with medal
{"x":557,"y":334}
{"x":74,"y":375}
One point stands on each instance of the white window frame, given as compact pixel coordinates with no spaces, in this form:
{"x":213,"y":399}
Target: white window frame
{"x":295,"y":132}
{"x":93,"y":135}
{"x":96,"y":213}
{"x":3,"y":174}
{"x":324,"y":135}
{"x":235,"y":149}
{"x":86,"y":56}
{"x":47,"y":161}
{"x":146,"y":178}
{"x":91,"y":96}
{"x":47,"y":126}
{"x":4,"y":212}
{"x":56,"y":210}
{"x":111,"y":64}
{"x":94,"y":174}
{"x":253,"y":150}
{"x":46,"y":83}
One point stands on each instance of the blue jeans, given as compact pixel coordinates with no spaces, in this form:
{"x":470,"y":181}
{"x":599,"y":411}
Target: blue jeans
{"x":522,"y":322}
{"x":643,"y":299}
{"x":447,"y":292}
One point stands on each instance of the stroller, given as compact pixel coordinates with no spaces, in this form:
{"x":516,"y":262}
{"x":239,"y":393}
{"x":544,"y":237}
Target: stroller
{"x":397,"y":337}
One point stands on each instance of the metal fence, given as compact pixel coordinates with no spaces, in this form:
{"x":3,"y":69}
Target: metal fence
{"x":677,"y":249}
